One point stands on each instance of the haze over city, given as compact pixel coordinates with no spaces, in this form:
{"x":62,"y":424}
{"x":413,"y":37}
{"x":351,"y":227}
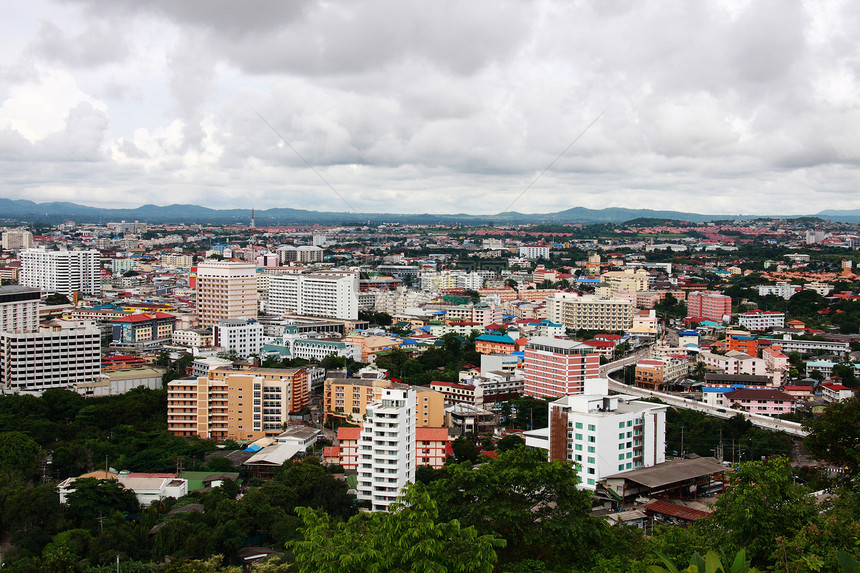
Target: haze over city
{"x":725,"y":107}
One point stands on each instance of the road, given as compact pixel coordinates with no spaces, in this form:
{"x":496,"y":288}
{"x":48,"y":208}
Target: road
{"x":759,"y":420}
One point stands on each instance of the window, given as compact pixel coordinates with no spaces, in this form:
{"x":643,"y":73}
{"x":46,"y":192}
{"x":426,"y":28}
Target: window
{"x":590,"y":449}
{"x":621,"y":456}
{"x":579,"y":436}
{"x":591,"y":427}
{"x":579,"y":425}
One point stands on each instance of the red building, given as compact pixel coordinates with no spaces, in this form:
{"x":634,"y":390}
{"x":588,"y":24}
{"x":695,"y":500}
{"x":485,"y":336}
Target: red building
{"x":708,"y":305}
{"x":555,"y":368}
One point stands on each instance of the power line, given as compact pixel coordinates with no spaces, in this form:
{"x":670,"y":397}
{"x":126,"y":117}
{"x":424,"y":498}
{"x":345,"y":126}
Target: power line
{"x":557,"y":157}
{"x":351,"y":208}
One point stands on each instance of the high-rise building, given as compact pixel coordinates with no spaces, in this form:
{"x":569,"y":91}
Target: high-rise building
{"x":15,"y":239}
{"x":332,"y":295}
{"x":387,"y":459}
{"x":556,"y":367}
{"x":241,"y":335}
{"x":603,"y":435}
{"x":225,"y":289}
{"x":19,"y":308}
{"x":61,"y":271}
{"x":708,"y":305}
{"x":56,"y":356}
{"x":236,"y":405}
{"x":589,"y":312}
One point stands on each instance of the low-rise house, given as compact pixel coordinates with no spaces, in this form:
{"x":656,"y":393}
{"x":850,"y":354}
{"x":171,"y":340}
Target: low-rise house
{"x":767,"y":401}
{"x":147,"y":487}
{"x":832,"y":392}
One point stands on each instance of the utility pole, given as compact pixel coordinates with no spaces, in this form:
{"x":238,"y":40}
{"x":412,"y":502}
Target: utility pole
{"x":682,"y":441}
{"x":720,"y":447}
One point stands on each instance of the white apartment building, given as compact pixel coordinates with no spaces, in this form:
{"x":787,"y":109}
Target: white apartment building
{"x":603,"y":435}
{"x":61,"y":271}
{"x":14,"y":239}
{"x":19,"y":308}
{"x":761,"y":319}
{"x":397,"y":302}
{"x":240,"y":335}
{"x":386,"y":451}
{"x":331,"y":295}
{"x":823,"y":289}
{"x":225,"y":289}
{"x":177,"y":261}
{"x":302,"y":254}
{"x":201,"y":367}
{"x":589,"y":312}
{"x":61,"y":355}
{"x":191,"y":338}
{"x":534,"y":252}
{"x":735,"y":362}
{"x":433,"y":281}
{"x":781,"y":289}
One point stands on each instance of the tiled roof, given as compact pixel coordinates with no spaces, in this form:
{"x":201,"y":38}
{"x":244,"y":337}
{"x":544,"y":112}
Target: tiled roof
{"x":675,"y":510}
{"x":349,"y":434}
{"x":432,"y":434}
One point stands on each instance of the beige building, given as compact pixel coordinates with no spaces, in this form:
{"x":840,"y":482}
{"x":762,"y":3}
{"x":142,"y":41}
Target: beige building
{"x":629,"y":280}
{"x":350,"y":396}
{"x":236,"y":405}
{"x":225,"y":289}
{"x":177,"y":261}
{"x":589,"y":312}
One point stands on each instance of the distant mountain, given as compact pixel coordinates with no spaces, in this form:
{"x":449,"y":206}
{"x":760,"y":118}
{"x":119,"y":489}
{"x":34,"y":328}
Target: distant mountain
{"x":19,"y":210}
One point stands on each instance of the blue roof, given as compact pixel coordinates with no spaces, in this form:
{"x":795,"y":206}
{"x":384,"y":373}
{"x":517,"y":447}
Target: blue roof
{"x":595,"y":281}
{"x":716,"y":389}
{"x":253,"y":449}
{"x":508,"y":316}
{"x":504,"y":339}
{"x":689,"y":333}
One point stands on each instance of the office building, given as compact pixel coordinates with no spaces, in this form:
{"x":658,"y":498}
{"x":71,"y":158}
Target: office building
{"x":143,"y":330}
{"x":603,"y":435}
{"x":225,"y":289}
{"x":236,"y":405}
{"x":761,"y":319}
{"x":554,"y":367}
{"x":64,"y":272}
{"x":60,"y":355}
{"x":19,"y":308}
{"x":331,"y":295}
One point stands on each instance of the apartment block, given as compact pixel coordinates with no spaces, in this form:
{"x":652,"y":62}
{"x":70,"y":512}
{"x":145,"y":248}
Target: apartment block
{"x":534,"y":252}
{"x":432,"y":446}
{"x":225,"y":289}
{"x":332,"y":295}
{"x":603,"y":435}
{"x":555,"y":367}
{"x":14,"y":239}
{"x":236,"y":405}
{"x":589,"y":312}
{"x":387,"y":452}
{"x":60,"y":355}
{"x":64,"y":272}
{"x":351,"y":397}
{"x":143,"y":329}
{"x":19,"y":308}
{"x":761,"y":319}
{"x":708,"y":305}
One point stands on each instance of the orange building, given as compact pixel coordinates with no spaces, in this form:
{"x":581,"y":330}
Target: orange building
{"x":432,"y":447}
{"x":649,"y":374}
{"x":236,"y":405}
{"x":349,"y":397}
{"x":746,"y":344}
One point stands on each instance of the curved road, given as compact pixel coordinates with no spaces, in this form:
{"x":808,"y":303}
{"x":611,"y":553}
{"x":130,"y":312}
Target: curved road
{"x":792,"y":428}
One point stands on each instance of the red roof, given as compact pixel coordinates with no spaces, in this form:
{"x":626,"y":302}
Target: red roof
{"x":348,"y":434}
{"x":452,"y":385}
{"x":836,"y":387}
{"x":143,"y":317}
{"x":599,"y":343}
{"x":798,"y":388}
{"x":675,"y":510}
{"x":432,"y":434}
{"x":331,"y":451}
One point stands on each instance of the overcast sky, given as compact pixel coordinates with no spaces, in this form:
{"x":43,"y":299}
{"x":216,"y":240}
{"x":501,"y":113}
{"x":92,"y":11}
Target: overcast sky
{"x":733,"y":107}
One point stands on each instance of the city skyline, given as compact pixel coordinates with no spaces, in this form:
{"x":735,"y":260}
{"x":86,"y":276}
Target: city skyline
{"x":723,"y":108}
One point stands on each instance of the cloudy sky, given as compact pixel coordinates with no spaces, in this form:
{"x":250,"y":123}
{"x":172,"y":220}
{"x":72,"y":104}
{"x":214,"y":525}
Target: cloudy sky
{"x":723,"y":107}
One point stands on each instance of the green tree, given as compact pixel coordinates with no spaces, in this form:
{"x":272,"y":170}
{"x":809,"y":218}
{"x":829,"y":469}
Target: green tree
{"x":761,"y":504}
{"x":93,"y":498}
{"x":532,"y":503}
{"x":56,"y":298}
{"x":834,"y":436}
{"x":712,"y":562}
{"x":19,"y":453}
{"x":409,"y":538}
{"x":845,"y":370}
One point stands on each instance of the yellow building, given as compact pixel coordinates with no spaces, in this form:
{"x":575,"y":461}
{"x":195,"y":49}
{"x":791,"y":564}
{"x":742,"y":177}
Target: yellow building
{"x":349,"y":397}
{"x":236,"y":405}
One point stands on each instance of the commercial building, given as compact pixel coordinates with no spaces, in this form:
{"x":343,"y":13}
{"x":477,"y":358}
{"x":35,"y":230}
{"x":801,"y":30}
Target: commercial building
{"x":603,"y":435}
{"x":589,"y":312}
{"x":351,"y":397}
{"x":19,"y":308}
{"x":534,"y":251}
{"x":555,"y":367}
{"x":60,"y":355}
{"x":225,"y":289}
{"x":143,"y":330}
{"x":236,"y":405}
{"x":708,"y":305}
{"x":64,"y":272}
{"x":310,"y":348}
{"x":331,"y":295}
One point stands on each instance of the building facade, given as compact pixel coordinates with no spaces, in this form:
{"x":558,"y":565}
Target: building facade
{"x":554,"y":368}
{"x":708,"y":305}
{"x":64,"y":272}
{"x":604,"y":435}
{"x":240,"y":335}
{"x":590,"y":312}
{"x":225,"y":289}
{"x":19,"y":308}
{"x":333,"y":295}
